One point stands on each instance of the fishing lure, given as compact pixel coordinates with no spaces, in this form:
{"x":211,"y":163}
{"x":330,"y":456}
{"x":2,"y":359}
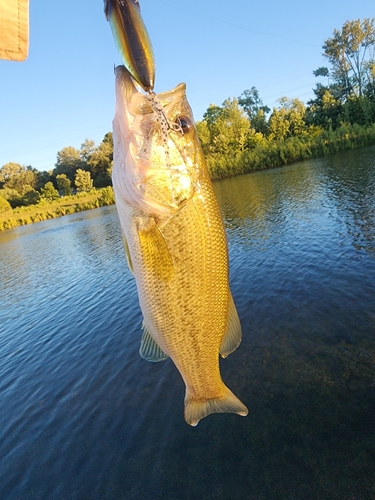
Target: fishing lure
{"x":132,"y":40}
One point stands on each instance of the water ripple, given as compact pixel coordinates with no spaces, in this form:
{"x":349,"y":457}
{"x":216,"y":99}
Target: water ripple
{"x":83,"y":416}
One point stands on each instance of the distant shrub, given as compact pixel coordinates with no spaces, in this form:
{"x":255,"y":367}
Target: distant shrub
{"x":4,"y":205}
{"x":107,"y":196}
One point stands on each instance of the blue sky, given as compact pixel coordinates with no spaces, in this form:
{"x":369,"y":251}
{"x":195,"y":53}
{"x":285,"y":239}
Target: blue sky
{"x":64,"y":92}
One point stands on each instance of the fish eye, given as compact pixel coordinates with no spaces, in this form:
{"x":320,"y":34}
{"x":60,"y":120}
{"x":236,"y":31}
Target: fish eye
{"x":185,"y":123}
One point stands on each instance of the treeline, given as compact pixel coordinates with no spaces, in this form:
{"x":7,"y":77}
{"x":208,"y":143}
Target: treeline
{"x":243,"y":135}
{"x":75,"y":171}
{"x":81,"y":180}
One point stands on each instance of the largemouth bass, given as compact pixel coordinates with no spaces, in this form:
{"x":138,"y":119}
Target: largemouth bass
{"x":175,"y":243}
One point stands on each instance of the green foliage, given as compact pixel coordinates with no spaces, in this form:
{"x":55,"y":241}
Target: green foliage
{"x":4,"y":205}
{"x":107,"y":196}
{"x":63,"y":184}
{"x":100,"y":162}
{"x":83,"y":181}
{"x":42,"y":178}
{"x":18,"y":177}
{"x":56,"y":208}
{"x":225,"y":130}
{"x":49,"y":192}
{"x":68,"y":162}
{"x":255,"y":110}
{"x":288,"y":120}
{"x":313,"y":143}
{"x":238,"y":136}
{"x":30,"y":197}
{"x":347,"y":51}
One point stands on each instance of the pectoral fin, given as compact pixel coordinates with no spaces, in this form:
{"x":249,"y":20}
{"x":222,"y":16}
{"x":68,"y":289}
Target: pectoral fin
{"x":127,"y":254}
{"x":149,"y":350}
{"x":233,"y":335}
{"x":154,"y":249}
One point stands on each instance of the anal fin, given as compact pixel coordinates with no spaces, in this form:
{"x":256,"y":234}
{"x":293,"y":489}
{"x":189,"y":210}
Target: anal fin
{"x":233,"y":335}
{"x":149,"y":350}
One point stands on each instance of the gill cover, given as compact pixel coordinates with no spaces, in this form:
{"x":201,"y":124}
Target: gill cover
{"x":132,"y":40}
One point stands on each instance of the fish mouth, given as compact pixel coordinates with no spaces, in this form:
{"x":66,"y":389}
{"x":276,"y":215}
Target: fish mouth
{"x":124,"y":84}
{"x":126,"y":88}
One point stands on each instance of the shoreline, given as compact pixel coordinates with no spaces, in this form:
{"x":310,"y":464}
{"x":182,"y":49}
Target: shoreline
{"x":103,"y":197}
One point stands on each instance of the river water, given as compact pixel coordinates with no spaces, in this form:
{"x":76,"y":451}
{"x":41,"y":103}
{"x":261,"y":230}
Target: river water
{"x":84,"y":417}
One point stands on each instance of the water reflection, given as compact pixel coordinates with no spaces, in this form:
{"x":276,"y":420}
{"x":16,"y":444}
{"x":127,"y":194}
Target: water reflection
{"x":351,"y":184}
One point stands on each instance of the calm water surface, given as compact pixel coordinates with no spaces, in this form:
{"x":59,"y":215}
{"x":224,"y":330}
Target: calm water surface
{"x":84,"y":417}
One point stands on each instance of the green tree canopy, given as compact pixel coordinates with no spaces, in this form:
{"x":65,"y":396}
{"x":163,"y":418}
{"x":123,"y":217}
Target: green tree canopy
{"x":255,"y":109}
{"x":228,"y":128}
{"x":83,"y":181}
{"x":63,"y":184}
{"x":68,"y":162}
{"x":87,"y":149}
{"x":100,"y":162}
{"x":288,"y":120}
{"x":18,"y":177}
{"x":49,"y":192}
{"x":349,"y":52}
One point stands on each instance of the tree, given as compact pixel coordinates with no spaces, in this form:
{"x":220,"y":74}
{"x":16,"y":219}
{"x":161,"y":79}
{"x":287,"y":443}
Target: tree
{"x":100,"y":162}
{"x":63,"y":184}
{"x":83,"y":181}
{"x":87,"y":149}
{"x":42,"y":178}
{"x":68,"y":162}
{"x":204,"y":135}
{"x":18,"y":177}
{"x":11,"y":196}
{"x":10,"y":170}
{"x":325,"y":110}
{"x":228,"y":128}
{"x":30,"y":197}
{"x":49,"y":192}
{"x":347,"y":51}
{"x":288,"y":120}
{"x":254,"y":108}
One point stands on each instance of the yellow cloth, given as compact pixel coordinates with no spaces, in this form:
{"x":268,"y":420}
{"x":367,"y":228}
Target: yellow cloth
{"x":14,"y":29}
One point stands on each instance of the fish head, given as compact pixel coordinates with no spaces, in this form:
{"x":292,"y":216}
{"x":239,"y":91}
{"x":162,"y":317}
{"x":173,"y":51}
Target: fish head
{"x":158,"y":161}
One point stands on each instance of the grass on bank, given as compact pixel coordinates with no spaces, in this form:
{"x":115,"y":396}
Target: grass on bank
{"x":51,"y":209}
{"x":278,"y":153}
{"x":270,"y":155}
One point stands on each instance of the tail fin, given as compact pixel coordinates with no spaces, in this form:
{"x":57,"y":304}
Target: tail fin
{"x":197,"y":409}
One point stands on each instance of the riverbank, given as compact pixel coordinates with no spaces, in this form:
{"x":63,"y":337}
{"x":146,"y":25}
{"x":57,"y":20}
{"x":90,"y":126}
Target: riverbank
{"x":271,"y":155}
{"x":291,"y":150}
{"x":49,"y":210}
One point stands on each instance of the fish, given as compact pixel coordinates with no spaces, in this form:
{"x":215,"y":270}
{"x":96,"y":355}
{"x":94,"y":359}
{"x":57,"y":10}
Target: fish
{"x":175,"y":243}
{"x":132,"y":40}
